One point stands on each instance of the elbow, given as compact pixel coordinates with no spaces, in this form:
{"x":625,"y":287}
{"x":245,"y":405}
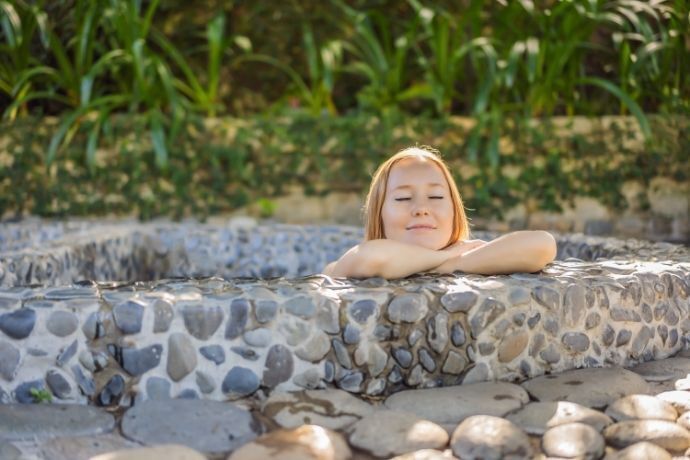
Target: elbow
{"x":545,"y":249}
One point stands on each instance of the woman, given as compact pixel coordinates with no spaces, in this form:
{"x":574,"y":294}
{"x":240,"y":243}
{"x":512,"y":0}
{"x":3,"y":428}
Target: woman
{"x":415,"y":222}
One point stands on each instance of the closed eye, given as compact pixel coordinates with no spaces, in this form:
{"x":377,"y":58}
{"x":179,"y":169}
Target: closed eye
{"x":402,"y":199}
{"x":436,"y":197}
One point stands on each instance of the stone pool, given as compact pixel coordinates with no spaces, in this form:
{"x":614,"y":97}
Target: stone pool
{"x":221,"y":311}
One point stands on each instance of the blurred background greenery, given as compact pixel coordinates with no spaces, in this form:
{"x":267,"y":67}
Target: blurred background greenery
{"x":177,"y":108}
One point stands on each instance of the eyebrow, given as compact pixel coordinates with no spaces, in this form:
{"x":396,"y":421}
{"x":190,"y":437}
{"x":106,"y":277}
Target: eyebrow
{"x":431,"y":184}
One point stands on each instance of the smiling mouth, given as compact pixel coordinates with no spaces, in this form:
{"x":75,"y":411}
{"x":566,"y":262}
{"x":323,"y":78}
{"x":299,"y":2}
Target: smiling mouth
{"x":421,"y":227}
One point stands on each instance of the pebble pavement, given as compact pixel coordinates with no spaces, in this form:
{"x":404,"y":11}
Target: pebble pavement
{"x":592,"y":413}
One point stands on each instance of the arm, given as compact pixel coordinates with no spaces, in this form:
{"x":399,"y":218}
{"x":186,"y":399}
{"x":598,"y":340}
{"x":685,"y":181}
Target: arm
{"x":388,"y":259}
{"x":523,"y":251}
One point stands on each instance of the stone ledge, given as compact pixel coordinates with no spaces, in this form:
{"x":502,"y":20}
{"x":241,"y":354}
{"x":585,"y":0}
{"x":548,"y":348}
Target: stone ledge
{"x":109,"y":343}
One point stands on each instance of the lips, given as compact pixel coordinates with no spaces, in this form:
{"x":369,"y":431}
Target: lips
{"x":421,"y":227}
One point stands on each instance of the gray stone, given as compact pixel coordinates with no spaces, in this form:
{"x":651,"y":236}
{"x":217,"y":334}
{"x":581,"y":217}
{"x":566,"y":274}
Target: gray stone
{"x":486,"y":348}
{"x":66,"y":354}
{"x":83,"y":447}
{"x":199,"y":424}
{"x":461,"y":301}
{"x":455,"y":363}
{"x":637,"y":407}
{"x":478,"y":373}
{"x":260,"y":337}
{"x":181,"y":356}
{"x":384,"y":433}
{"x":537,"y":417}
{"x":239,"y":314}
{"x":350,"y":381}
{"x":341,"y":354}
{"x":246,"y":353}
{"x":9,"y":451}
{"x":202,"y":321}
{"x":647,"y":315}
{"x":457,"y":334}
{"x":315,"y":348}
{"x":574,"y":305}
{"x":403,"y":357}
{"x":383,"y":332}
{"x":351,"y":334}
{"x":641,"y":450}
{"x":575,"y":341}
{"x":138,"y":361}
{"x":407,"y":308}
{"x":129,"y":316}
{"x":162,"y":315}
{"x":438,"y":332}
{"x":595,"y":388}
{"x":552,"y":326}
{"x":309,"y":379}
{"x":112,"y":391}
{"x":623,"y":337}
{"x":415,"y":377}
{"x":62,"y":323}
{"x":593,"y":320}
{"x":240,"y":382}
{"x":470,"y":440}
{"x":58,"y":384}
{"x":641,"y":340}
{"x":157,"y":388}
{"x":426,"y":360}
{"x":518,"y":296}
{"x":414,"y":336}
{"x":486,"y":313}
{"x":23,"y":392}
{"x":45,"y":421}
{"x":295,"y":330}
{"x":550,"y":354}
{"x":9,"y":360}
{"x":279,"y":366}
{"x":84,"y":380}
{"x":608,"y":335}
{"x":547,"y":297}
{"x":451,"y":405}
{"x":573,"y":440}
{"x":92,"y":327}
{"x":621,"y":314}
{"x":214,"y":353}
{"x":668,"y":369}
{"x":329,"y":408}
{"x":19,"y":323}
{"x":534,"y":320}
{"x":205,"y":382}
{"x":663,"y":433}
{"x":362,"y":310}
{"x":328,"y":316}
{"x":265,"y":310}
{"x":302,"y":306}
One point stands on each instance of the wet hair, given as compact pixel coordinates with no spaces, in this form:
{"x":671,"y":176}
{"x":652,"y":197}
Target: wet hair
{"x":373,"y":220}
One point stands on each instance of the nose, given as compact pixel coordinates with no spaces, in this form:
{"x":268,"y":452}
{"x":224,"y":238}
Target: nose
{"x":420,"y":210}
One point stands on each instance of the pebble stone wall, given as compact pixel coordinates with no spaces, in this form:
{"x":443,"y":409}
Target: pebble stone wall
{"x":270,"y":324}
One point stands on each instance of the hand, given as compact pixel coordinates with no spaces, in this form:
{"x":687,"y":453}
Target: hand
{"x":461,"y":247}
{"x":456,"y":251}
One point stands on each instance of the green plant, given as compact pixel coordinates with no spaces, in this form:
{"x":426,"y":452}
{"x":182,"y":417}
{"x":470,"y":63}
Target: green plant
{"x":41,"y":395}
{"x":323,"y":65}
{"x":382,"y":58}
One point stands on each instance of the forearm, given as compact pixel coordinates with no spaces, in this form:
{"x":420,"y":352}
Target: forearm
{"x":388,"y":259}
{"x":524,"y":251}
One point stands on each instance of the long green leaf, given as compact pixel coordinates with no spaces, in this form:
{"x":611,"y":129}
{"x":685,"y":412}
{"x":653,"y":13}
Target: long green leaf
{"x":627,"y":101}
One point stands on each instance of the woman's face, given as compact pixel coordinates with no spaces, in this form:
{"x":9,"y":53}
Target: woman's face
{"x":418,"y":209}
